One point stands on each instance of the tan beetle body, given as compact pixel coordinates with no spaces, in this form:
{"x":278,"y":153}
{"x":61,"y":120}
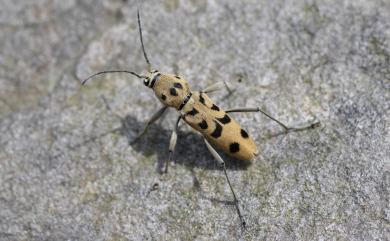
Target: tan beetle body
{"x":199,"y":111}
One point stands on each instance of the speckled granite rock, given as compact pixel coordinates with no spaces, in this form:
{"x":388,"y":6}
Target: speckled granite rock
{"x":68,"y":172}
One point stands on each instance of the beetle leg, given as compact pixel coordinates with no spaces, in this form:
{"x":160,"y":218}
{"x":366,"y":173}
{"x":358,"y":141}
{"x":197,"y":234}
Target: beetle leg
{"x":154,"y":117}
{"x":285,"y":127}
{"x":214,"y":87}
{"x":172,"y":144}
{"x":217,"y":86}
{"x":221,"y":162}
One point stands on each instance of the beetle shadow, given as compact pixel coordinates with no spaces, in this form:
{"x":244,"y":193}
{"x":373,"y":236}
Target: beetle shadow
{"x":191,"y":151}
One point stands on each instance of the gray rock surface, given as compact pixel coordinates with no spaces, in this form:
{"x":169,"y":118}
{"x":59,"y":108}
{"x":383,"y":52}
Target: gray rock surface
{"x":68,"y":172}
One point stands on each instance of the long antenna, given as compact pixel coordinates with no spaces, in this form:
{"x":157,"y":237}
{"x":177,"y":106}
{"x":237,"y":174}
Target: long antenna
{"x":142,"y":41}
{"x":114,"y":71}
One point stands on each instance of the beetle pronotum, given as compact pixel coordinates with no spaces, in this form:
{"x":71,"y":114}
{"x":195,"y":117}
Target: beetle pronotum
{"x":198,"y":110}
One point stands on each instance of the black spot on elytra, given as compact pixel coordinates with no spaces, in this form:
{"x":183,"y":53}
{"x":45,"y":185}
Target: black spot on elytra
{"x":214,"y":107}
{"x":178,"y":85}
{"x":173,"y":91}
{"x":177,"y":77}
{"x":224,"y":120}
{"x":244,"y":134}
{"x":163,"y":97}
{"x":234,"y":147}
{"x":201,"y":99}
{"x":203,"y":125}
{"x":217,"y":131}
{"x":192,"y":112}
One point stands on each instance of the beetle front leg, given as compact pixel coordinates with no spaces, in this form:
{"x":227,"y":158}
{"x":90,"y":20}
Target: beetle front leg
{"x":172,"y":144}
{"x":154,"y":117}
{"x":217,"y":86}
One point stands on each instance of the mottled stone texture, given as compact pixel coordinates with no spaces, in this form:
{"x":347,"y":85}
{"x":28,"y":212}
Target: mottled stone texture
{"x":68,"y":172}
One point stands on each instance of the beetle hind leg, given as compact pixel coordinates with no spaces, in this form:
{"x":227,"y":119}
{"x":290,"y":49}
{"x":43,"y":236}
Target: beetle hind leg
{"x":221,"y":162}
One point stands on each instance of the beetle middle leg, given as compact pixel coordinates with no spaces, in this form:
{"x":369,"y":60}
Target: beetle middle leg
{"x":221,"y":162}
{"x":285,"y":127}
{"x":152,"y":119}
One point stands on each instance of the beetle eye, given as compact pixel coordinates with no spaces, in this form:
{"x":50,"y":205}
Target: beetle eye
{"x":146,"y":82}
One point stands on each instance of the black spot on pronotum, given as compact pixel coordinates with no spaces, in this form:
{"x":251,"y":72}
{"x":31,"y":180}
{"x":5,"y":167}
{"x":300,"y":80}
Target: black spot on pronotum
{"x":152,"y":83}
{"x":193,"y":112}
{"x":156,"y":77}
{"x":173,"y":91}
{"x":163,"y":97}
{"x":244,"y":134}
{"x":203,"y":125}
{"x":214,"y":107}
{"x":217,"y":131}
{"x":224,"y":120}
{"x":177,"y":77}
{"x":234,"y":147}
{"x":201,"y":99}
{"x":178,"y":85}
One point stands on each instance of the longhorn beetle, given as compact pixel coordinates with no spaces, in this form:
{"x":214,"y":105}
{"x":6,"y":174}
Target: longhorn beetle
{"x":218,"y":129}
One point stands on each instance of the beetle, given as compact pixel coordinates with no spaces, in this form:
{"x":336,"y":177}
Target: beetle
{"x":217,"y":127}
